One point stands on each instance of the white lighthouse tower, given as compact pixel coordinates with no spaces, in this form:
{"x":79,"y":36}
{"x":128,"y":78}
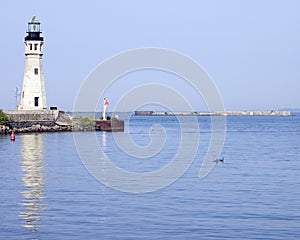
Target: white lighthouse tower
{"x":33,"y":95}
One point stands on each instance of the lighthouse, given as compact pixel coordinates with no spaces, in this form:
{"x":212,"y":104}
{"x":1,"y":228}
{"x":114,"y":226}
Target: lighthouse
{"x":33,"y":95}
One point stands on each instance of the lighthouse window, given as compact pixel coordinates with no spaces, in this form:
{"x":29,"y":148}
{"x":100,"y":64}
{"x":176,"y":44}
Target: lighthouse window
{"x":30,"y":46}
{"x":35,"y":46}
{"x":36,"y":71}
{"x":36,"y":101}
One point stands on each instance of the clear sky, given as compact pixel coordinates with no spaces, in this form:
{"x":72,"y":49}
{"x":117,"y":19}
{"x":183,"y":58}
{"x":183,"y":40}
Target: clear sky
{"x":251,"y":48}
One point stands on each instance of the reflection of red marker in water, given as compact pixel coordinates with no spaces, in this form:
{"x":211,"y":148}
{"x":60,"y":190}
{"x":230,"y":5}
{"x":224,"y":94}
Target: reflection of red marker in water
{"x":12,"y":136}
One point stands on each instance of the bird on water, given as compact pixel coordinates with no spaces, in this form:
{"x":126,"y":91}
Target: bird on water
{"x":219,"y":160}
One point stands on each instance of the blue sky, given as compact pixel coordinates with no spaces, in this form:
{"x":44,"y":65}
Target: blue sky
{"x":250,"y":48}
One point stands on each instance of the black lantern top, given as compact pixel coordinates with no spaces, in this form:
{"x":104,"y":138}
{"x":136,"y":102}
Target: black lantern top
{"x":34,"y":31}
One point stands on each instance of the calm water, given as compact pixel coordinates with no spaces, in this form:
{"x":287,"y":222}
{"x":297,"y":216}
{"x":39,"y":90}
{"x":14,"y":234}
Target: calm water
{"x":47,"y":193}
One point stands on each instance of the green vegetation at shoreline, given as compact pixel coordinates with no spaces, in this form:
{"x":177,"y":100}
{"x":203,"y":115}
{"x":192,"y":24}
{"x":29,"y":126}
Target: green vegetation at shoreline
{"x":87,"y":121}
{"x":3,"y":118}
{"x":90,"y":121}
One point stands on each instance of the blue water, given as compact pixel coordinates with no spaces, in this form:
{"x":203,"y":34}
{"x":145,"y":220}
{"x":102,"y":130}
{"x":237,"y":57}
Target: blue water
{"x":47,"y":193}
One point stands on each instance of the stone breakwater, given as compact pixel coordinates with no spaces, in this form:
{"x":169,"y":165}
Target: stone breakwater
{"x":38,"y":127}
{"x":36,"y":121}
{"x":226,"y":113}
{"x":55,"y":121}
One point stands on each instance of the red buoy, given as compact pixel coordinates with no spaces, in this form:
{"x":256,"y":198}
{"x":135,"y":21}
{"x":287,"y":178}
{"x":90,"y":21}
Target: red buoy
{"x":12,"y":136}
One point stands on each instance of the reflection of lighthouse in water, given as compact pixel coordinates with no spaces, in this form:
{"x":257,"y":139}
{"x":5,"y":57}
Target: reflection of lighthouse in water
{"x":33,"y":180}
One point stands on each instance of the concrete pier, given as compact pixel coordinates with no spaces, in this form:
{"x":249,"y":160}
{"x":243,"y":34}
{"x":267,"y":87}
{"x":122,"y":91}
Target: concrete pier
{"x":109,"y":125}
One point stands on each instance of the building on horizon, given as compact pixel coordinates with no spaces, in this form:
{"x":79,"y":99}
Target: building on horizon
{"x":33,"y":95}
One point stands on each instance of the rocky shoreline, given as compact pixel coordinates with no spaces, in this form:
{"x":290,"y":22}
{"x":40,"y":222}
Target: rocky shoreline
{"x":55,"y":121}
{"x":35,"y":129}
